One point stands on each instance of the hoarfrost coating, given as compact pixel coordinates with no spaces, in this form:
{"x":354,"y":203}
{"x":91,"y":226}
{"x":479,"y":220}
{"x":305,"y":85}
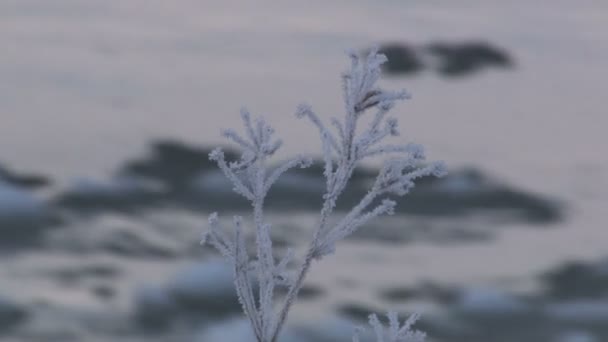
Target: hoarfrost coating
{"x":257,"y":277}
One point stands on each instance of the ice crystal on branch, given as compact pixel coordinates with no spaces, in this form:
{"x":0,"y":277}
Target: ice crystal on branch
{"x":396,"y":332}
{"x":343,"y":148}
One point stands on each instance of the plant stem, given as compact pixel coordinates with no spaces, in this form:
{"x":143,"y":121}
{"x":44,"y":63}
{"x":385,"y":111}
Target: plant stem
{"x":310,"y":254}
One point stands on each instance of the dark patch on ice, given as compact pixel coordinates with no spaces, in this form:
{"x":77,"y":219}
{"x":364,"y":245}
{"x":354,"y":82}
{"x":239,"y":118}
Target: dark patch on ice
{"x":302,"y":189}
{"x":173,"y":163}
{"x":463,"y":192}
{"x":347,"y":282}
{"x":125,"y":194}
{"x":460,"y":59}
{"x":154,"y":308}
{"x":104,"y":292}
{"x":178,"y":175}
{"x":423,"y":230}
{"x":325,"y":329}
{"x":76,"y":274}
{"x":468,"y":190}
{"x":11,"y":314}
{"x":28,"y":181}
{"x":399,"y":294}
{"x":307,"y":292}
{"x":130,"y":244}
{"x":448,"y":59}
{"x":122,"y":236}
{"x":489,"y":314}
{"x":310,"y":292}
{"x":201,"y":292}
{"x":207,"y":287}
{"x":355,"y":312}
{"x":24,"y":218}
{"x":486,"y":314}
{"x":166,"y":177}
{"x":402,"y":59}
{"x":578,"y":280}
{"x":426,"y":291}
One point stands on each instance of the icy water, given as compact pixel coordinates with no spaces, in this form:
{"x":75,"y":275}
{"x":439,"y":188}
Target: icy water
{"x":88,"y":87}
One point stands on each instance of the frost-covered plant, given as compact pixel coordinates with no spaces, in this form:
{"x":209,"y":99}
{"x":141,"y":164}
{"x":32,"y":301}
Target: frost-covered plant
{"x":257,"y":277}
{"x":396,"y":332}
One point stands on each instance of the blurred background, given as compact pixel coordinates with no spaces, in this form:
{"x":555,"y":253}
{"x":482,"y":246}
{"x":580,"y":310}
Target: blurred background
{"x":109,"y":108}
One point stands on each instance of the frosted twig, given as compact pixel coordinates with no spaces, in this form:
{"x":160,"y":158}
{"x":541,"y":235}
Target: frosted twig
{"x":395,"y":332}
{"x":342,"y":151}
